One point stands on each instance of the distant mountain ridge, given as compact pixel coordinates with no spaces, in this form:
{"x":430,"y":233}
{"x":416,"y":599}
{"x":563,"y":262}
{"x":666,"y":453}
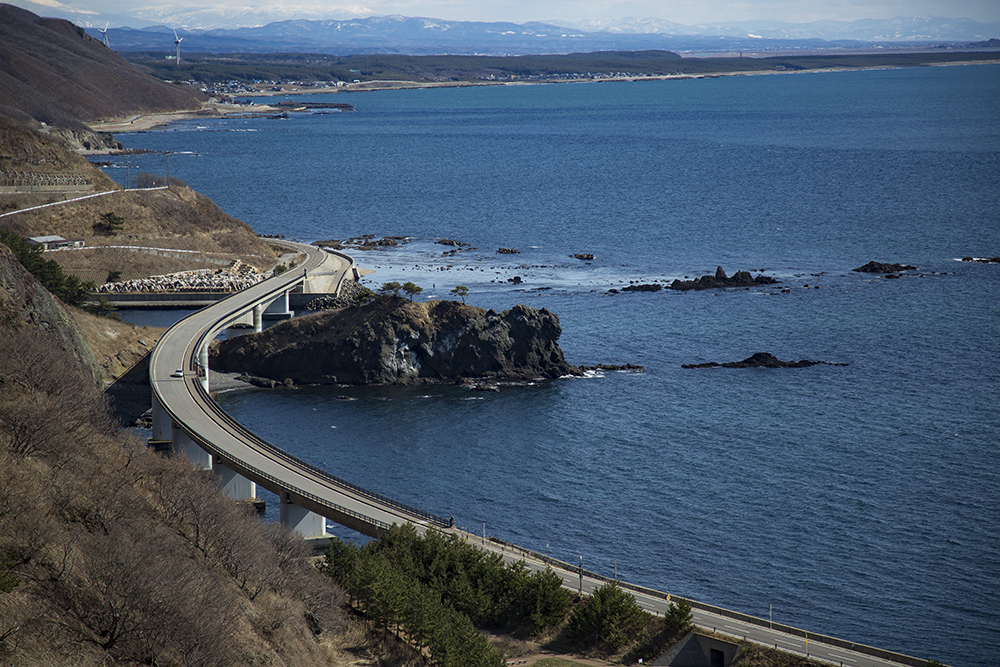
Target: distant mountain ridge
{"x":425,"y":36}
{"x":901,"y":29}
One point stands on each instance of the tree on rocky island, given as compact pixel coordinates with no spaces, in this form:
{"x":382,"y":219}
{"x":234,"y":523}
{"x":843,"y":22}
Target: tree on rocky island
{"x":411,"y":290}
{"x":461,"y":291}
{"x":390,"y":289}
{"x":362,"y":296}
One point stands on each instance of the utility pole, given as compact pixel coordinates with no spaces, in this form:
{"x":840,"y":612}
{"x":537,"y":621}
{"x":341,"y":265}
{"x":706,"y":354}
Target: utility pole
{"x":581,"y":575}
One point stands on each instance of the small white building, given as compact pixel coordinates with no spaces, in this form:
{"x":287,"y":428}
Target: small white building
{"x":55,"y":242}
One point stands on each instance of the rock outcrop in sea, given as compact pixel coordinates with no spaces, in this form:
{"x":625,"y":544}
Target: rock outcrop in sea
{"x":882,"y":267}
{"x":761,"y":360}
{"x":395,"y":341}
{"x":720,"y":279}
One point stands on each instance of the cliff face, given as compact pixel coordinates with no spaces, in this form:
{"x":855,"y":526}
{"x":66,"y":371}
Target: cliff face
{"x":24,"y":301}
{"x":395,"y":341}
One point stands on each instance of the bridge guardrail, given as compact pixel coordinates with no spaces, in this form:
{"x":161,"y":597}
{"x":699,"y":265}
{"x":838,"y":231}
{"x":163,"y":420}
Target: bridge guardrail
{"x":277,"y":482}
{"x":276,"y":451}
{"x":727,"y":613}
{"x":319,"y":472}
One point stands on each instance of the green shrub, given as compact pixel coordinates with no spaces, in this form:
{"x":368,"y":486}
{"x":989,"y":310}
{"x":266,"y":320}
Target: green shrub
{"x":70,"y":289}
{"x":609,"y":619}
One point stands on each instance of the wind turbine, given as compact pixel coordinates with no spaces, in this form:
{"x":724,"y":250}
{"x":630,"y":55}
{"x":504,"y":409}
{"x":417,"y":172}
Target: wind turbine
{"x":177,"y":43}
{"x":105,"y":33}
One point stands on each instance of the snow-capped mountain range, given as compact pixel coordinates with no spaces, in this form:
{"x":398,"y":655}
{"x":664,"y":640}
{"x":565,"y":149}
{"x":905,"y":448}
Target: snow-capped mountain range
{"x":351,"y":29}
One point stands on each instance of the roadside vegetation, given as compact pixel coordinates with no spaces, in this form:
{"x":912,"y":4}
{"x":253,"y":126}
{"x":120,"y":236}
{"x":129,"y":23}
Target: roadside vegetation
{"x":69,"y":288}
{"x":439,"y":593}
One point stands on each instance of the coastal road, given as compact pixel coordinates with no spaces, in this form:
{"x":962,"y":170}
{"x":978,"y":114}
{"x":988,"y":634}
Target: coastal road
{"x":197,"y":415}
{"x":657,"y":603}
{"x":193,"y":411}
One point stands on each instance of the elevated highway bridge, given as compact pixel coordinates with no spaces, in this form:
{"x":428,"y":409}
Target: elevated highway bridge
{"x":185,"y":415}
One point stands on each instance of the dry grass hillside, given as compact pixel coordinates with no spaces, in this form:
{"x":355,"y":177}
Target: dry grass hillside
{"x":119,"y":556}
{"x":177,"y":218}
{"x":116,"y":345}
{"x":174,"y":219}
{"x":27,"y":151}
{"x":53,"y":72}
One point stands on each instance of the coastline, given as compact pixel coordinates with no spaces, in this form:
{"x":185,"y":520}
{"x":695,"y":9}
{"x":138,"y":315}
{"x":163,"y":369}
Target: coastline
{"x":141,"y":122}
{"x":213,"y":110}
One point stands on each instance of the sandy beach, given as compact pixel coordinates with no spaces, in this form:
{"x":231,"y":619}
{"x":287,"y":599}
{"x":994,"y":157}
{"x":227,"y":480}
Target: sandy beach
{"x":141,"y":122}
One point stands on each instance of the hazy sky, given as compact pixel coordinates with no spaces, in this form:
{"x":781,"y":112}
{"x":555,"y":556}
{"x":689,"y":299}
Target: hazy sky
{"x":519,"y":11}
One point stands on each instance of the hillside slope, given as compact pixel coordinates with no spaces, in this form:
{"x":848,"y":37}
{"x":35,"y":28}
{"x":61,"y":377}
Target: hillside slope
{"x":175,"y":218}
{"x":53,"y":72}
{"x":41,"y":155}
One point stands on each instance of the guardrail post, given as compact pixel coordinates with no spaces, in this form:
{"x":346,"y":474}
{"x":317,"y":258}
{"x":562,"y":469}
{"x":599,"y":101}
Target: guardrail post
{"x":301,"y":520}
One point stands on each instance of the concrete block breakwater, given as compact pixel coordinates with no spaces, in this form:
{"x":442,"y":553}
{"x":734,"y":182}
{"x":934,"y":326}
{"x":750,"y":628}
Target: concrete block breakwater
{"x":236,"y":277}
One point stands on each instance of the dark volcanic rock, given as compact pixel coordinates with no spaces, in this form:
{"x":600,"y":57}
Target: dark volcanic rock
{"x":880,"y":267}
{"x":761,"y":360}
{"x":266,"y":383}
{"x":613,"y":367}
{"x":720,"y":279}
{"x":395,"y":341}
{"x":647,"y":287}
{"x":982,"y":260}
{"x":508,"y":251}
{"x":586,"y":256}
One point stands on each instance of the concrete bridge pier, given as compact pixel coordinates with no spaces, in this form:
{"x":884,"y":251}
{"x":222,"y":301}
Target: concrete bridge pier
{"x":162,"y":423}
{"x":258,"y":318}
{"x":203,"y":362}
{"x":301,"y":520}
{"x":277,"y":309}
{"x":183,"y":444}
{"x":235,"y":485}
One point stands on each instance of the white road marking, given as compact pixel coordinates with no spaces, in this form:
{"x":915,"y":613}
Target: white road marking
{"x":842,"y":657}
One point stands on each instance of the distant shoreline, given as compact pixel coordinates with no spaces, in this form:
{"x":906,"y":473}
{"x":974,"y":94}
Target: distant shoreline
{"x":215,"y":110}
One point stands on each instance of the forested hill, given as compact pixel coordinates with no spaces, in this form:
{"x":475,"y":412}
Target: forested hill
{"x":53,"y":72}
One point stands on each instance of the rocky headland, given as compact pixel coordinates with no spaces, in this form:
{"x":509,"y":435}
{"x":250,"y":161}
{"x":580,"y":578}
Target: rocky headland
{"x":762,"y":360}
{"x":394,"y":341}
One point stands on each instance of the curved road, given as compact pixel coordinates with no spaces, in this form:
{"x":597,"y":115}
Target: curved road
{"x":195,"y":413}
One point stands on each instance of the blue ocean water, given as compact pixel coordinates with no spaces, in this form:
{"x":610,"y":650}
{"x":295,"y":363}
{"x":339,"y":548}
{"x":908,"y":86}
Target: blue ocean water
{"x":859,"y":500}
